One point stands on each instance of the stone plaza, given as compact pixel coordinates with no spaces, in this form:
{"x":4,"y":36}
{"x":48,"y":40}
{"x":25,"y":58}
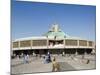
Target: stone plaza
{"x":67,"y":63}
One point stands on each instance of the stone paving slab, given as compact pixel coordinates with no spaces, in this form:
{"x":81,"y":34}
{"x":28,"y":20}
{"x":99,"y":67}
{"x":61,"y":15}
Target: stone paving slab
{"x":36,"y":65}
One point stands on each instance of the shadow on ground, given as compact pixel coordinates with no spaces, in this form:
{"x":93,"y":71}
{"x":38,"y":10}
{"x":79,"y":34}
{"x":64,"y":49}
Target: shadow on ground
{"x":64,"y":66}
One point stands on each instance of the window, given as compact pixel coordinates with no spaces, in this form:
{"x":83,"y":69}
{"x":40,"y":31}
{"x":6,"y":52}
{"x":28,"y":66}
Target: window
{"x":71,"y":42}
{"x":39,"y":42}
{"x":90,"y":43}
{"x":26,"y":43}
{"x":82,"y":43}
{"x":15,"y":44}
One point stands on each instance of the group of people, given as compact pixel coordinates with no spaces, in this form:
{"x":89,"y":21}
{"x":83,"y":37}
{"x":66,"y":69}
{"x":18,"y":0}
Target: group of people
{"x":55,"y":64}
{"x":47,"y":58}
{"x":26,"y":58}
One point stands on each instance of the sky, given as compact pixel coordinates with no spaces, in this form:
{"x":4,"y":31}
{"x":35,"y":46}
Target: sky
{"x":35,"y":18}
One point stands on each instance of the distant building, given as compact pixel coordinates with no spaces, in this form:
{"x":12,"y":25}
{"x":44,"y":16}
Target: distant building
{"x":55,"y":41}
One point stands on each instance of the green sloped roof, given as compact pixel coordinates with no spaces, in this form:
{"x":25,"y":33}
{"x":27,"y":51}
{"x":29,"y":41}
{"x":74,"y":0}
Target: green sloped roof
{"x":58,"y":34}
{"x":55,"y":31}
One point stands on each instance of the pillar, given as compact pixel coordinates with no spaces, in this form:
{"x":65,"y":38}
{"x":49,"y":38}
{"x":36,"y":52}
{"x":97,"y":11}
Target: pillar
{"x":78,"y":43}
{"x":47,"y":42}
{"x":87,"y":43}
{"x":31,"y":44}
{"x":64,"y":43}
{"x":76,"y":52}
{"x":19,"y":44}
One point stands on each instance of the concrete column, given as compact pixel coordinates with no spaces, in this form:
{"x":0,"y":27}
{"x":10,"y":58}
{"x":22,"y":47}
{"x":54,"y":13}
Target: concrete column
{"x":78,"y":47}
{"x":64,"y":42}
{"x":78,"y":43}
{"x":19,"y":44}
{"x":47,"y":42}
{"x":87,"y":43}
{"x":85,"y":52}
{"x":76,"y":52}
{"x":31,"y":44}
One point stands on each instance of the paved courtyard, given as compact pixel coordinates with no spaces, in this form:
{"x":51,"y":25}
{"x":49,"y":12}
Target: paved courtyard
{"x":67,"y":63}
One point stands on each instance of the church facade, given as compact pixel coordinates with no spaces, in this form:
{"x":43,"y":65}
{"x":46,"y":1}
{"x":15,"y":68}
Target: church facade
{"x":54,"y":41}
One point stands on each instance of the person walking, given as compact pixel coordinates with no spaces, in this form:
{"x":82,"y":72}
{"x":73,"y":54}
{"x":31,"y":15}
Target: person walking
{"x":55,"y":66}
{"x":63,"y":53}
{"x":26,"y":57}
{"x":49,"y":57}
